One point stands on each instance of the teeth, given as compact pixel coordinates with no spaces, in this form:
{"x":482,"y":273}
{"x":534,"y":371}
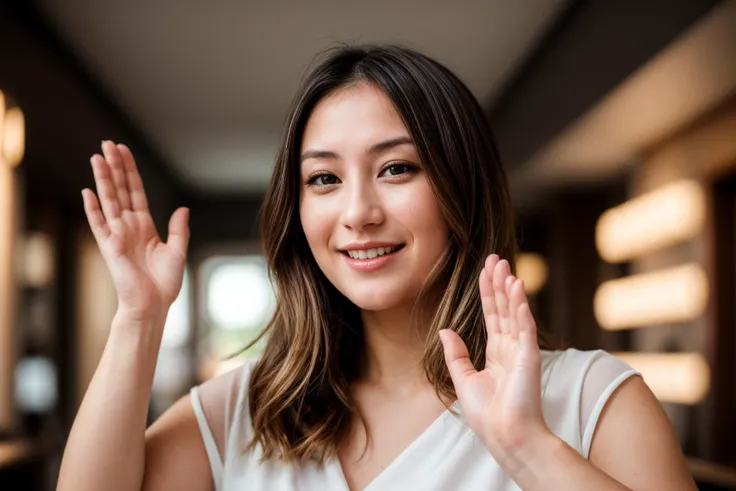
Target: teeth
{"x":370,"y":253}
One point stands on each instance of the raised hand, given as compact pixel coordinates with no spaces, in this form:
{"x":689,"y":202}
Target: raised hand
{"x":147,"y":272}
{"x":501,"y":403}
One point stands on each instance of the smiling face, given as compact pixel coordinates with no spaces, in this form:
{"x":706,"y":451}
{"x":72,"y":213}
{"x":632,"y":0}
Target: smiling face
{"x":366,"y":206}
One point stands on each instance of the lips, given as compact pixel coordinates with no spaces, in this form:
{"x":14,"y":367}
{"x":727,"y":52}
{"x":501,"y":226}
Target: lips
{"x":367,"y":264}
{"x":370,"y":252}
{"x":373,"y":252}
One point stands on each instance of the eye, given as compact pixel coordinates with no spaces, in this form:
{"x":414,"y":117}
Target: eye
{"x":397,"y":169}
{"x":322,"y":179}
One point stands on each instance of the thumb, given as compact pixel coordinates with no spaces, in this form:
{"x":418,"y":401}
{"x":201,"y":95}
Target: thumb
{"x":178,"y":237}
{"x":456,"y":357}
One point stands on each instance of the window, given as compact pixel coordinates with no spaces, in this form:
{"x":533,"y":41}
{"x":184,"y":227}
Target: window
{"x":239,"y":301}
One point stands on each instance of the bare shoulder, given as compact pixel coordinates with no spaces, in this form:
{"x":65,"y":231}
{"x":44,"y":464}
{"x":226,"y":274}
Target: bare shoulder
{"x":175,"y":454}
{"x":634,"y":441}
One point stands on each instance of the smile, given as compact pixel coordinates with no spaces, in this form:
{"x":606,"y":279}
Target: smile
{"x":370,"y":259}
{"x":371,"y":253}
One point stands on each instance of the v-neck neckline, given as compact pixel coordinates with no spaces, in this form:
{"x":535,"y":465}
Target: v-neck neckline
{"x":400,"y":457}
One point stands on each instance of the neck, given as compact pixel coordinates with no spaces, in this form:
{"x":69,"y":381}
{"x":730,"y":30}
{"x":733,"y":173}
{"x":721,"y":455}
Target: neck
{"x":394,"y":346}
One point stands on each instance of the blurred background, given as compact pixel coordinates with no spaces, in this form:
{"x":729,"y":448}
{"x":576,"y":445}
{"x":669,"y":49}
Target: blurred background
{"x":616,"y":121}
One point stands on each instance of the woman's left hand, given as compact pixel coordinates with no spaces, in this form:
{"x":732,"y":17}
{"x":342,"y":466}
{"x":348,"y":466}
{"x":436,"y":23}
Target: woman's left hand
{"x":502,"y":403}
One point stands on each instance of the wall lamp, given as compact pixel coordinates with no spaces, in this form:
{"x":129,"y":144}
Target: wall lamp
{"x":12,"y":132}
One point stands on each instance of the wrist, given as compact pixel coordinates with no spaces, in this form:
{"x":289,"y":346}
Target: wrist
{"x":529,"y":462}
{"x":132,"y":347}
{"x":524,"y":452}
{"x":138,"y":329}
{"x":143,"y":320}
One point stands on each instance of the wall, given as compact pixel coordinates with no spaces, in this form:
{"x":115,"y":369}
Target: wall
{"x":67,"y":115}
{"x":9,"y":225}
{"x":706,"y":152}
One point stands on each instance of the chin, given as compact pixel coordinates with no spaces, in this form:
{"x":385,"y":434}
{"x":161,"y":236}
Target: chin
{"x":376,"y":300}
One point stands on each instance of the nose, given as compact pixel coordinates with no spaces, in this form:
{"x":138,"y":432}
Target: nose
{"x":362,"y":206}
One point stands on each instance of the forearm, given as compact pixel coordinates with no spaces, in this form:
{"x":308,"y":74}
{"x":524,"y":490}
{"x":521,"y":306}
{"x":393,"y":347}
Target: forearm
{"x":106,"y":446}
{"x":551,"y":465}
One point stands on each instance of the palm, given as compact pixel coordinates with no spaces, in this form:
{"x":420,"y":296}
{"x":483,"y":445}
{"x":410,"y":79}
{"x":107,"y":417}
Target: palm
{"x":502,"y":401}
{"x":147,"y":272}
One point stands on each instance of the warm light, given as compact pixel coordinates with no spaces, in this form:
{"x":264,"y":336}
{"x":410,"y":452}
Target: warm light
{"x":673,"y":295}
{"x":38,"y":255}
{"x":14,"y":136}
{"x":2,"y":124}
{"x":12,"y":133}
{"x":8,"y":258}
{"x":532,"y":268}
{"x":673,"y":377}
{"x":673,"y":213}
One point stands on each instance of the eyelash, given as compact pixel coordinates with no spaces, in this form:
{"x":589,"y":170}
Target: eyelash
{"x":311,"y":180}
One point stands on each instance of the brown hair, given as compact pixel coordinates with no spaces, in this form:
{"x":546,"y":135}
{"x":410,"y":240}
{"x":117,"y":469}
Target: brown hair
{"x":299,"y":395}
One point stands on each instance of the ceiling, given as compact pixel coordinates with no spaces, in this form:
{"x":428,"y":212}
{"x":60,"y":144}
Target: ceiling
{"x":209,"y":83}
{"x":692,"y":76}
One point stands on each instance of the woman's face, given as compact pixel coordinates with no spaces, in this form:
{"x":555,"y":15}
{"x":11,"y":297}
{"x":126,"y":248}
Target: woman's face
{"x":366,"y":206}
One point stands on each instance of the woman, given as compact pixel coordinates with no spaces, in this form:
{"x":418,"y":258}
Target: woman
{"x":402,"y":353}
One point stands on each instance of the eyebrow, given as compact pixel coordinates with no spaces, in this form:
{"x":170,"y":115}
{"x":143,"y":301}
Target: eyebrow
{"x":375,"y":149}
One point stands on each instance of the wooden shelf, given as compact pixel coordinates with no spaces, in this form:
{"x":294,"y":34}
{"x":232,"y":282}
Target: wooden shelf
{"x":14,"y":451}
{"x":17,"y":450}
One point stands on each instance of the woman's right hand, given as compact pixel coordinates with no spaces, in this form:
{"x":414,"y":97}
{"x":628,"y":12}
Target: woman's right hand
{"x":147,"y":272}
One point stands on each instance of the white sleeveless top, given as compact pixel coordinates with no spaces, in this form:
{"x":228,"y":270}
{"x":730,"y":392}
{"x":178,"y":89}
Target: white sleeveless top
{"x":446,"y":456}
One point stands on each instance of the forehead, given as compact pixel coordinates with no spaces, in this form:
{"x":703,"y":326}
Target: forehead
{"x":356,"y":114}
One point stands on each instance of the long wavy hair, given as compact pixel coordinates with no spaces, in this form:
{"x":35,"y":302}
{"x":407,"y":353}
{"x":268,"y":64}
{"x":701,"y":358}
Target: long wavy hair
{"x":299,"y":393}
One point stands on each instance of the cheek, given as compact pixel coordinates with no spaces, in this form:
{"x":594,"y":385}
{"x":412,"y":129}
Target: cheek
{"x":315,"y":223}
{"x":420,"y":211}
{"x":309,"y":225}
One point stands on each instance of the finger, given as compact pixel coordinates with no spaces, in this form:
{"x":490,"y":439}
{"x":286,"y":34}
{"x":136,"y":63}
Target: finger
{"x":516,"y":296}
{"x":527,"y":323}
{"x":138,"y":198}
{"x":493,"y":325}
{"x":487,"y":296}
{"x":527,"y":328}
{"x":491,"y":262}
{"x":115,"y":162}
{"x":500,"y":274}
{"x":96,"y":219}
{"x":179,"y":231}
{"x":528,"y":334}
{"x":456,"y":357}
{"x":510,"y":280}
{"x":105,"y":189}
{"x":494,"y":330}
